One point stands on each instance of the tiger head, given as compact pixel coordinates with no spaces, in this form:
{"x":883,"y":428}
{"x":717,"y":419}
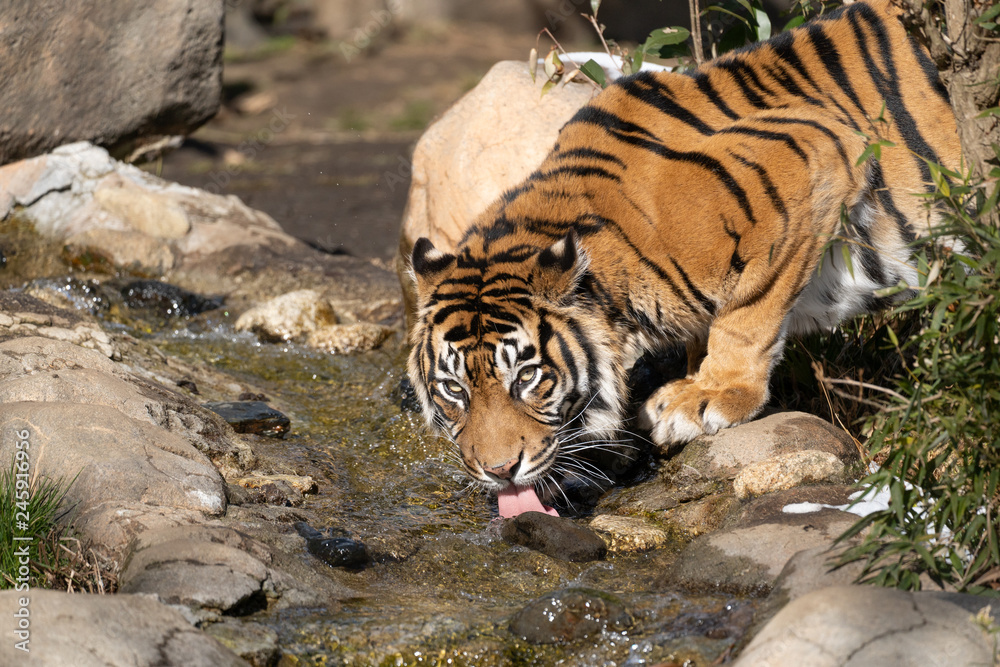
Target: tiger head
{"x":509,"y":361}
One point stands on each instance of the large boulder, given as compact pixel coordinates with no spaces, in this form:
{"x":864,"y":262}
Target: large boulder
{"x":489,"y":141}
{"x":848,"y":626}
{"x":120,"y":74}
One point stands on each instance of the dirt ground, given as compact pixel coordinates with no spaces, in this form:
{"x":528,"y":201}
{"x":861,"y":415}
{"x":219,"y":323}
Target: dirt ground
{"x":320,"y":138}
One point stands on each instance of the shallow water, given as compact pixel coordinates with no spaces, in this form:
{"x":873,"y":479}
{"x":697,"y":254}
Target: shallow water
{"x":444,"y":586}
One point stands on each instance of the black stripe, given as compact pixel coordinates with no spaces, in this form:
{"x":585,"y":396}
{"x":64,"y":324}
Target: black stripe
{"x":888,"y":88}
{"x":769,"y":187}
{"x":592,"y":115}
{"x":828,"y":54}
{"x":646,"y":88}
{"x":888,"y":204}
{"x":575,"y":170}
{"x":590,"y":153}
{"x":784,"y":79}
{"x":930,"y":70}
{"x":707,"y":162}
{"x":816,"y":126}
{"x":704,"y":84}
{"x":784,"y":138}
{"x":784,"y":47}
{"x":744,"y":76}
{"x":706,"y":303}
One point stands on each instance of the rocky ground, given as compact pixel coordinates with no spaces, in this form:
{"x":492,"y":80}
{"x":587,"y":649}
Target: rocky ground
{"x":221,"y":376}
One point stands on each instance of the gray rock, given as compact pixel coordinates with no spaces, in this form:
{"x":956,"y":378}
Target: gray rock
{"x":748,"y":557}
{"x":856,"y":626}
{"x":692,"y":485}
{"x":254,"y":642}
{"x":812,"y":569}
{"x":209,"y":568}
{"x":624,"y":534}
{"x":554,"y":536}
{"x":116,"y":218}
{"x":334,"y":549}
{"x":40,"y":370}
{"x":115,"y":460}
{"x":786,"y":471}
{"x":24,"y":315}
{"x":309,"y":316}
{"x":570,"y":614}
{"x":726,"y":453}
{"x":118,"y":75}
{"x":107,"y":631}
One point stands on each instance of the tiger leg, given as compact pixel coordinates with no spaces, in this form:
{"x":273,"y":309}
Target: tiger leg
{"x":744,"y":343}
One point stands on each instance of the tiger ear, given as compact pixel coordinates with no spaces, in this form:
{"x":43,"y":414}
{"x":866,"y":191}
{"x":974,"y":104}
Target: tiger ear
{"x":427,"y":261}
{"x":558,"y":268}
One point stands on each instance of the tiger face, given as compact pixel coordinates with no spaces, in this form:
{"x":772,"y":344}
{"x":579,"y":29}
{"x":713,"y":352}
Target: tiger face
{"x":508,"y":365}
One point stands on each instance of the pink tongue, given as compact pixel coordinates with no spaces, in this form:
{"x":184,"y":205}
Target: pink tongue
{"x":514,"y":500}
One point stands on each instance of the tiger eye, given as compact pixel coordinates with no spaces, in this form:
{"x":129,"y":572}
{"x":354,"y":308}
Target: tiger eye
{"x":453,"y":387}
{"x":527,"y":374}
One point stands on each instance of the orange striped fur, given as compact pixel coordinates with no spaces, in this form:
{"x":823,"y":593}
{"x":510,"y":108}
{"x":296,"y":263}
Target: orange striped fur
{"x":675,"y":208}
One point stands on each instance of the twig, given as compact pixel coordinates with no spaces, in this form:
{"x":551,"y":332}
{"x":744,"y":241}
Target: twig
{"x":568,"y":59}
{"x":696,"y":46}
{"x":600,"y":33}
{"x":865,"y":385}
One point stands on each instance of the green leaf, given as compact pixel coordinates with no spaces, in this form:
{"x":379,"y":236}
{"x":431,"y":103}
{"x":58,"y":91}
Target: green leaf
{"x":665,"y":37}
{"x":988,"y":16}
{"x":763,"y":24}
{"x":594,"y":6}
{"x":892,"y":336}
{"x":873,"y":150}
{"x":594,"y":72}
{"x":547,"y":87}
{"x":795,"y":22}
{"x":992,"y":111}
{"x":723,"y":10}
{"x":845,"y":252}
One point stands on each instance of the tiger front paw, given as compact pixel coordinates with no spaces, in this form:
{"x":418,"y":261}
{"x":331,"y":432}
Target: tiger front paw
{"x":682,"y":410}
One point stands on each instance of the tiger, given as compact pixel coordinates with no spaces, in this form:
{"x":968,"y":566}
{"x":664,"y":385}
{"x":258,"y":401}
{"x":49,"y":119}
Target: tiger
{"x":721,"y":209}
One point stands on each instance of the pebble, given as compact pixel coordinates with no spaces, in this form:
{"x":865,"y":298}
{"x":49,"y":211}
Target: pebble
{"x":251,"y":417}
{"x":570,"y":614}
{"x":336,"y":550}
{"x":554,"y":536}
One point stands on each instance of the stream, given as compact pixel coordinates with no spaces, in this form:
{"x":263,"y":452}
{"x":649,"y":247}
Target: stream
{"x":443,"y":586}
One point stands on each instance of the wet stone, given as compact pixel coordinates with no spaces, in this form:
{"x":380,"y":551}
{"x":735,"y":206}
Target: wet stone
{"x":570,"y":614}
{"x":334,"y":548}
{"x":407,"y":396}
{"x":165,"y":300}
{"x":251,"y":417}
{"x":554,"y":536}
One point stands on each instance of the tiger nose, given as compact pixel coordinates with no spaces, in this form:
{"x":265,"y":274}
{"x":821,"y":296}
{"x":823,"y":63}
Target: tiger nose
{"x":504,"y":470}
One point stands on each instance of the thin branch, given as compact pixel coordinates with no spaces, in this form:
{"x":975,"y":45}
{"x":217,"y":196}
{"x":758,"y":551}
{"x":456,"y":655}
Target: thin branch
{"x":696,"y":46}
{"x":865,"y":385}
